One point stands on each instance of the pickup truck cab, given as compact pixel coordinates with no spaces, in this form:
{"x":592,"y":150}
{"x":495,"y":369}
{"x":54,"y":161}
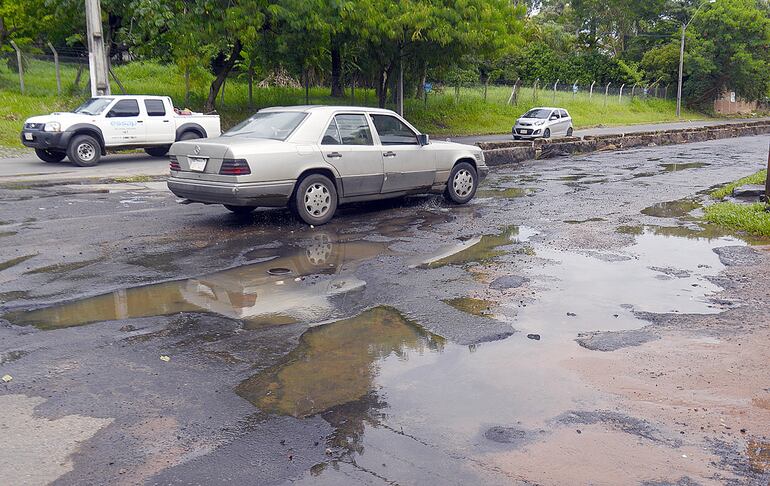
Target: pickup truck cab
{"x":114,"y":123}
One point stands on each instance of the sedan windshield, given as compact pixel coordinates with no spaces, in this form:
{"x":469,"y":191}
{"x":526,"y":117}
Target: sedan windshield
{"x":94,"y":106}
{"x":537,"y":113}
{"x":276,"y":125}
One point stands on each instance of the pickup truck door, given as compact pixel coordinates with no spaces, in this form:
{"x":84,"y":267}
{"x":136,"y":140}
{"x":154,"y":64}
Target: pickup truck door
{"x":123,"y":124}
{"x":408,"y":165}
{"x":159,"y":123}
{"x":347,"y":144}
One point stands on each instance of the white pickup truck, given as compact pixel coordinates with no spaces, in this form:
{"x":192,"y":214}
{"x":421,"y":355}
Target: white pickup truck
{"x":113,"y":123}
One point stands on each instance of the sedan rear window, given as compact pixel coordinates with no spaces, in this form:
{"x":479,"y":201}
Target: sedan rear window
{"x":276,"y":125}
{"x":538,"y":113}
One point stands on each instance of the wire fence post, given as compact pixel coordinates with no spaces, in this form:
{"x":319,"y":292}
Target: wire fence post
{"x":665,"y":93}
{"x":633,"y":89}
{"x":554,"y":90}
{"x":607,"y":93}
{"x":222,"y":94}
{"x":56,"y":65}
{"x":513,"y":99}
{"x":620,"y":96}
{"x":534,"y":89}
{"x":21,"y":66}
{"x":574,"y":89}
{"x":591,"y":93}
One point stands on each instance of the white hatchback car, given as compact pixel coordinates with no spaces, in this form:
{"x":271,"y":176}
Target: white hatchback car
{"x":543,"y":122}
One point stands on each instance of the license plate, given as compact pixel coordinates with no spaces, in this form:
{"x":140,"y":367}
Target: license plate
{"x":197,"y":164}
{"x":27,"y":136}
{"x":524,"y":132}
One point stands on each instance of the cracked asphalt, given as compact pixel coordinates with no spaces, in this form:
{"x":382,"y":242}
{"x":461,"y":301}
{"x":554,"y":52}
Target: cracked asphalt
{"x":575,"y":324}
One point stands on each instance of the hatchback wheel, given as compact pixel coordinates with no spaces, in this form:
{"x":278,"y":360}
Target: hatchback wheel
{"x":569,"y":132}
{"x":50,"y":156}
{"x":547,"y":133}
{"x":84,"y":151}
{"x":462,"y":183}
{"x":315,"y":200}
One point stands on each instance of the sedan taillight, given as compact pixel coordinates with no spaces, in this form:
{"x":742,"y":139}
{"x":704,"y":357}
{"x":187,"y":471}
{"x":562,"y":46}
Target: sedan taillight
{"x":174,"y":163}
{"x":234,"y":167}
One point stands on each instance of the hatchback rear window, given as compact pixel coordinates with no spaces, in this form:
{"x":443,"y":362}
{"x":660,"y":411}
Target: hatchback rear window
{"x":275,"y":125}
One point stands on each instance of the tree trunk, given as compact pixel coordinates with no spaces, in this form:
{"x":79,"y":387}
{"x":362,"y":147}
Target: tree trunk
{"x":338,"y":90}
{"x":423,"y":78}
{"x":216,"y":84}
{"x":382,"y":88}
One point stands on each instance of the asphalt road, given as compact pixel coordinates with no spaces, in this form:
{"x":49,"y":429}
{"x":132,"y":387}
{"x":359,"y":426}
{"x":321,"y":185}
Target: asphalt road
{"x":30,"y":168}
{"x":573,"y":324}
{"x":612,"y":130}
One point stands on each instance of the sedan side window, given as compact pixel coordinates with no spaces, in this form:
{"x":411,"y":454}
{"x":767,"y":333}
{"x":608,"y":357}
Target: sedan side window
{"x":332,"y":135}
{"x":354,"y":130}
{"x":393,"y":131}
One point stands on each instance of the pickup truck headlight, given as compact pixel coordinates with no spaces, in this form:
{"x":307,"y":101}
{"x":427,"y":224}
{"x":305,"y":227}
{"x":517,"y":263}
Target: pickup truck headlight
{"x":52,"y":127}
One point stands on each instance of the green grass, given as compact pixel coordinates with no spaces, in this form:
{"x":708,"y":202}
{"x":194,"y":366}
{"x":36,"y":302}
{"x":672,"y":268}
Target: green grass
{"x":753,"y":219}
{"x":442,"y":115}
{"x":758,"y":178}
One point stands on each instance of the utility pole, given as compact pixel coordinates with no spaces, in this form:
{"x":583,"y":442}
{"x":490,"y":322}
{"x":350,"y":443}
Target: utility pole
{"x":97,"y":59}
{"x":681,"y":68}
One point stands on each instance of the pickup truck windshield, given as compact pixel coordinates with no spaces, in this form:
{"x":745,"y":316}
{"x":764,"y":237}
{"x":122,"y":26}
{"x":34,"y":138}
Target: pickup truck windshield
{"x":94,"y":106}
{"x":276,"y":125}
{"x":537,"y":113}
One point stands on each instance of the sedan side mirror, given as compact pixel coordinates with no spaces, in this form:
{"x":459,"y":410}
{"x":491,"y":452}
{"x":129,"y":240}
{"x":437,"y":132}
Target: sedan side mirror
{"x":423,"y":139}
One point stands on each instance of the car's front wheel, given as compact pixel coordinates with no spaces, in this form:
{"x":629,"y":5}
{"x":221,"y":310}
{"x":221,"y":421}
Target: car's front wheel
{"x":547,"y":133}
{"x":315,"y":200}
{"x":50,"y":156}
{"x":84,"y":151}
{"x":239,"y":209}
{"x":569,"y":132}
{"x":462,"y":184}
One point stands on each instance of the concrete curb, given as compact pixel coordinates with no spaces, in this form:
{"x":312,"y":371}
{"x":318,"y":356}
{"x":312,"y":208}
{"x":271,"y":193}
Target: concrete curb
{"x":512,"y":152}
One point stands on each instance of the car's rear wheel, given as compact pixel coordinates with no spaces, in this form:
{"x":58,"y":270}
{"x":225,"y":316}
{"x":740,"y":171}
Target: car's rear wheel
{"x":157,"y":151}
{"x":50,"y":156}
{"x":547,"y":133}
{"x":239,"y":209}
{"x":569,"y":132}
{"x":84,"y":151}
{"x":462,"y":184}
{"x":315,"y":200}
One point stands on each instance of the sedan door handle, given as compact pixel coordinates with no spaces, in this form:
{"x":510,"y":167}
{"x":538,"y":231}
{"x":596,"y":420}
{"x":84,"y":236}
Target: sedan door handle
{"x":334,"y":155}
{"x":389,"y":154}
{"x":165,"y":121}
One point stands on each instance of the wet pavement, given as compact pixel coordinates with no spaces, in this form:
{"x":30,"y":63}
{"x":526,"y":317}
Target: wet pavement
{"x":575,"y":324}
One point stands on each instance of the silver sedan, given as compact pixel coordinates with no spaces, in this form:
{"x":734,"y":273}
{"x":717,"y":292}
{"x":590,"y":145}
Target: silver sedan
{"x":313,"y":158}
{"x":543,"y":122}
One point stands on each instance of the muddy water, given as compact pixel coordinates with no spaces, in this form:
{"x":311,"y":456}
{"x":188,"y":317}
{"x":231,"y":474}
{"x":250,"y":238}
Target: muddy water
{"x":294,"y":283}
{"x":393,"y":390}
{"x":672,"y":209}
{"x":480,"y":249}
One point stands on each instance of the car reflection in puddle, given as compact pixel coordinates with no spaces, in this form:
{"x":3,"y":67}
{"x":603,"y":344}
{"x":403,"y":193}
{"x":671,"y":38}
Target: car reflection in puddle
{"x":297,"y":284}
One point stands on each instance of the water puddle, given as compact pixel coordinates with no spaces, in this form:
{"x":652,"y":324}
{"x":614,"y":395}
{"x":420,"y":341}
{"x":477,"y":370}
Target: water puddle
{"x":581,"y":221}
{"x":693,"y":231}
{"x":15,"y":261}
{"x":318,"y":270}
{"x":337,"y":363}
{"x":479,"y":249}
{"x":508,"y":193}
{"x":672,"y":209}
{"x":684,"y":166}
{"x":476,"y":307}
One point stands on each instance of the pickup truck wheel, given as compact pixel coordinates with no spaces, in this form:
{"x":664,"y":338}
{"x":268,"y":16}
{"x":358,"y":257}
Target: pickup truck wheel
{"x":240,"y":209}
{"x":84,"y":151}
{"x":50,"y":156}
{"x":462,"y":183}
{"x":315,"y":200}
{"x":189,"y":135}
{"x":157,"y":151}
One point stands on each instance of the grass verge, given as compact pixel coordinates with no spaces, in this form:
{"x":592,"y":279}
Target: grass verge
{"x":469,"y":112}
{"x":758,"y":178}
{"x":753,"y":219}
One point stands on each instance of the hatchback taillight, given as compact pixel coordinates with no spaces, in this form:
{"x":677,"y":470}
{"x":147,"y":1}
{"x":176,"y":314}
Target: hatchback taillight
{"x":235,"y":167}
{"x":173,"y":163}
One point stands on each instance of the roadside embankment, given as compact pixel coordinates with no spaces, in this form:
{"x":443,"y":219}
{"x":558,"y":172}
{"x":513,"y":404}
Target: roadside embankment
{"x":514,"y":151}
